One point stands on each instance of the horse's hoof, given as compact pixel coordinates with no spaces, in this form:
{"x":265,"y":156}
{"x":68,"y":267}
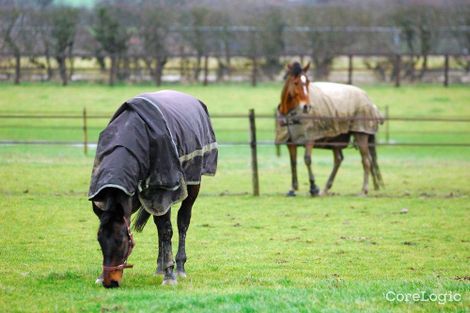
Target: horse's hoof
{"x":99,"y":280}
{"x":324,"y":193}
{"x":181,"y":274}
{"x":363,"y":194}
{"x":169,"y":282}
{"x":291,"y":193}
{"x":314,"y":192}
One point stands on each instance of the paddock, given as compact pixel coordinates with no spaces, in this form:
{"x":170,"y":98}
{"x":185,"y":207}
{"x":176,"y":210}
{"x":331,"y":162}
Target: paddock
{"x":245,"y":253}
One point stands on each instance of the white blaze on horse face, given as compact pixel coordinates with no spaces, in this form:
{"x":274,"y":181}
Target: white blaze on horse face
{"x":303,"y":80}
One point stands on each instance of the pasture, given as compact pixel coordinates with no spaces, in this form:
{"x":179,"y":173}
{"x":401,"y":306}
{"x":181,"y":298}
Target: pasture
{"x":245,"y":254}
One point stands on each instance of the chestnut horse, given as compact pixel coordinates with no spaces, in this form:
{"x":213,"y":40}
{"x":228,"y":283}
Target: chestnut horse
{"x":297,"y":93}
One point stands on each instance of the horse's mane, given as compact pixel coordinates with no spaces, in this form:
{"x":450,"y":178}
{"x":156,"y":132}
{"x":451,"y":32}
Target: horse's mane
{"x":284,"y":106}
{"x":294,"y":70}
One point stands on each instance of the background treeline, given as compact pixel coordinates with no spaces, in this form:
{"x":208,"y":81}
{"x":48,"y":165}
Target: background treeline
{"x":122,"y":35}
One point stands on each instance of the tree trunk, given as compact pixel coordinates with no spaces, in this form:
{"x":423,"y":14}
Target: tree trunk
{"x":228,"y":60}
{"x":206,"y":70}
{"x":17,"y":68}
{"x":72,"y":62}
{"x":159,"y":70}
{"x":48,"y":66}
{"x":62,"y":69}
{"x":112,"y":71}
{"x":424,"y":67}
{"x":101,"y":62}
{"x":197,"y":70}
{"x":322,"y":67}
{"x":254,"y":71}
{"x":125,"y":71}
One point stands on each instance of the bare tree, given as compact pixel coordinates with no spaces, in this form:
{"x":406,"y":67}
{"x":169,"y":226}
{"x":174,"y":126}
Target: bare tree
{"x":112,"y":36}
{"x":418,"y":24}
{"x":272,"y":25}
{"x":155,"y":34}
{"x":64,"y":24}
{"x":459,"y":24}
{"x":13,"y":21}
{"x":195,"y":23}
{"x":224,"y":40}
{"x":322,"y":29}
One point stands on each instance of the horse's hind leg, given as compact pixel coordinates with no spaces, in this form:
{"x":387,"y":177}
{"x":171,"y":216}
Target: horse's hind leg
{"x":184,"y":218}
{"x":314,"y":191}
{"x":362,"y":141}
{"x":165,"y":232}
{"x":338,"y":158}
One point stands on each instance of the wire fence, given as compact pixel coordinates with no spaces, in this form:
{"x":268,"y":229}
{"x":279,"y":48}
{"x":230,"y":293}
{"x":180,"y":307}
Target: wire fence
{"x":82,"y":124}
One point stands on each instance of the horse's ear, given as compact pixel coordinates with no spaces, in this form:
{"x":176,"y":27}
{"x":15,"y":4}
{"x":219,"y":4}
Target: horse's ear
{"x":289,"y":67}
{"x":305,"y":69}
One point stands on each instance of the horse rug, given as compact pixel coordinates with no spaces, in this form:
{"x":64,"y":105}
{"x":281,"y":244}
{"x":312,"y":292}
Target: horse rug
{"x":155,"y":145}
{"x":334,"y":109}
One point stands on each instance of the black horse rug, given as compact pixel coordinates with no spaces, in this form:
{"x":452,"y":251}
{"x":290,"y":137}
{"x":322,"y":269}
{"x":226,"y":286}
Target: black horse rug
{"x":155,"y":145}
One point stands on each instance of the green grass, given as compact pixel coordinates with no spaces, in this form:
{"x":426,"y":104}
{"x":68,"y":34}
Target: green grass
{"x":341,"y":253}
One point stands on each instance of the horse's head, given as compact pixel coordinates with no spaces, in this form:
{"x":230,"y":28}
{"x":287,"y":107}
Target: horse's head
{"x":295,"y":91}
{"x":114,"y":237}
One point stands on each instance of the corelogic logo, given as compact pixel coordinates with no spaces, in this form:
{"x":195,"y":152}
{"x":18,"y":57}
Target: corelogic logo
{"x":423,"y":296}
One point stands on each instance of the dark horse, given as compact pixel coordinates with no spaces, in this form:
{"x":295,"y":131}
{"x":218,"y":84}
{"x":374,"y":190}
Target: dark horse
{"x":150,"y":156}
{"x":326,"y":115}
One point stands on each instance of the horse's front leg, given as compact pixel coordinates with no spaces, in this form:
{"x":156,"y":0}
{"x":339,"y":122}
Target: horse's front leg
{"x":165,"y":233}
{"x":293,"y":167}
{"x":160,"y":257}
{"x":184,"y":218}
{"x":314,"y":190}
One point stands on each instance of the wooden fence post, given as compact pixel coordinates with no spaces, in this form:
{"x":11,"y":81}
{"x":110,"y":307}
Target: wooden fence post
{"x":387,"y":125}
{"x":350,"y":68}
{"x":278,"y":147}
{"x":85,"y":132}
{"x":446,"y":70}
{"x":254,"y":157}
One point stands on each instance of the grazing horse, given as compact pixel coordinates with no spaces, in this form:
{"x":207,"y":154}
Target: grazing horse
{"x":150,"y":156}
{"x":326,"y":115}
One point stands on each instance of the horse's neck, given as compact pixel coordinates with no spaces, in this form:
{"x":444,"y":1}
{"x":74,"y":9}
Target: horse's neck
{"x":287,"y":103}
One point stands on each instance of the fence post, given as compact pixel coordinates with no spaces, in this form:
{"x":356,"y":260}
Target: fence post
{"x":446,"y":70}
{"x":278,"y":147}
{"x":387,"y":125}
{"x":85,"y":132}
{"x":254,"y":157}
{"x":350,"y":68}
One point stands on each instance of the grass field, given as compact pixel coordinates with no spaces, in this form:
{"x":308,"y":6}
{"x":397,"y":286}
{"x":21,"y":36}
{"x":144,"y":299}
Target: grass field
{"x":341,"y":253}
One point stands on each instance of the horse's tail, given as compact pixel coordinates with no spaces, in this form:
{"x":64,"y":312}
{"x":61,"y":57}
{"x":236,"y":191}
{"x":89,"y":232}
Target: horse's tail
{"x":377,"y":176}
{"x":141,"y":219}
